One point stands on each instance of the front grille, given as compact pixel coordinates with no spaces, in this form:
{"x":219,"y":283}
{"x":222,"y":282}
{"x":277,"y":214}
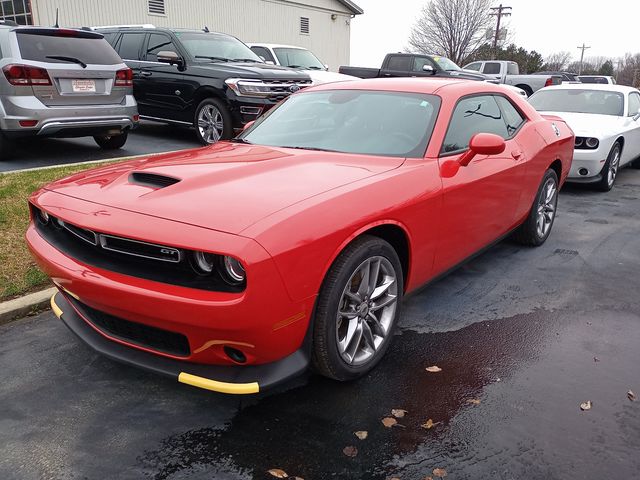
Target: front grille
{"x":135,"y":333}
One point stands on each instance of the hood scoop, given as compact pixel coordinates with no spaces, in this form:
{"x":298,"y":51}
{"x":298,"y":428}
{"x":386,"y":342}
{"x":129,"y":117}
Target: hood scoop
{"x":152,"y":180}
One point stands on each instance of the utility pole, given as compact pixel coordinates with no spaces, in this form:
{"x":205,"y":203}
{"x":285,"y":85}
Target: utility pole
{"x":498,"y":12}
{"x":583,"y":48}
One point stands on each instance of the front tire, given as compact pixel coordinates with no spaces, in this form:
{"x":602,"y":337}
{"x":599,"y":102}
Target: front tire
{"x":610,"y":169}
{"x":212,"y":122}
{"x":111,"y":142}
{"x":357,"y":309}
{"x":536,"y":228}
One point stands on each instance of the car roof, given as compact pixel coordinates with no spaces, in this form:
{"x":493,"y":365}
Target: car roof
{"x":273,"y":45}
{"x":609,"y":87}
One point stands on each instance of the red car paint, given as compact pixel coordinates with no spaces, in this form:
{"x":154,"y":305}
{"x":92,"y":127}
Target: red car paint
{"x":287,"y":214}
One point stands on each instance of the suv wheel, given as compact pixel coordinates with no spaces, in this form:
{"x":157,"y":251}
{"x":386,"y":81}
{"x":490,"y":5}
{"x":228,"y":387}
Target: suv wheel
{"x":212,"y":122}
{"x":111,"y":142}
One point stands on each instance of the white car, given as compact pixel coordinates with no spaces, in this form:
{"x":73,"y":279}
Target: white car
{"x":601,"y":79}
{"x":298,"y":57}
{"x":606,"y":122}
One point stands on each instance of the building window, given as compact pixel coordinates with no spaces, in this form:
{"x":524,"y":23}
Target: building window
{"x":18,"y":11}
{"x":156,"y":7}
{"x":304,"y":25}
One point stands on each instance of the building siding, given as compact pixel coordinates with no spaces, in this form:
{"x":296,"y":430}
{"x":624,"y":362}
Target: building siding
{"x":267,"y":21}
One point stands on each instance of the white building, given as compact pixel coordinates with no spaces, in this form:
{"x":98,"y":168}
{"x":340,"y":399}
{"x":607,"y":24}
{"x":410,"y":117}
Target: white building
{"x":322,"y":26}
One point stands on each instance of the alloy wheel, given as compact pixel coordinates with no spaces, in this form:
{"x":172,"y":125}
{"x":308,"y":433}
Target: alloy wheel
{"x":366,"y":310}
{"x":613,"y":168}
{"x":210,"y":123}
{"x":546,"y":207}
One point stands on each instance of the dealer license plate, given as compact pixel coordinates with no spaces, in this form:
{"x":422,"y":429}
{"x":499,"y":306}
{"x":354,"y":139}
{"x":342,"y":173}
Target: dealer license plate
{"x":83,"y":86}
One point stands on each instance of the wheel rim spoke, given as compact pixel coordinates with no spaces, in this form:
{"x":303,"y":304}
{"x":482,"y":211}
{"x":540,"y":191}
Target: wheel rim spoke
{"x":387,"y":301}
{"x":363,"y":289}
{"x":383,"y":288}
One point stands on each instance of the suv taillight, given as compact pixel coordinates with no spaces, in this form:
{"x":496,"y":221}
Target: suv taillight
{"x":124,"y":78}
{"x":25,"y":75}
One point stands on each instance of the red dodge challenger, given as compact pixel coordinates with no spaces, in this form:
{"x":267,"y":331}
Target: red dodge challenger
{"x":237,"y":266}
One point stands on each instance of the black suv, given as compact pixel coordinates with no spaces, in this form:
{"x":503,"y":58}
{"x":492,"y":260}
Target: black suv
{"x":207,"y":80}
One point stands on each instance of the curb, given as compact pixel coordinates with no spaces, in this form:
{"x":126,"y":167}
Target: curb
{"x":19,"y":307}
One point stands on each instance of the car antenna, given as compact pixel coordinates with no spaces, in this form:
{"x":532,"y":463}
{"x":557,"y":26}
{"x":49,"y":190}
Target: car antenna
{"x":205,"y":29}
{"x":56,"y":25}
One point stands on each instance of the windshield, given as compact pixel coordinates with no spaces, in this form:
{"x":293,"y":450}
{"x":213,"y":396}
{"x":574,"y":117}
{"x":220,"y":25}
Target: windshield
{"x":446,"y":64}
{"x":350,"y":121}
{"x":216,"y":47}
{"x":578,"y":101}
{"x":298,"y":58}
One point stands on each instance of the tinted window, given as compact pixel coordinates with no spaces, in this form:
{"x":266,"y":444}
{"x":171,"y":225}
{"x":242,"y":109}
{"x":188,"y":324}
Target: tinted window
{"x":473,"y":115}
{"x":351,"y":121}
{"x":512,"y":117}
{"x":298,"y":57}
{"x":474,"y":66}
{"x":159,"y":43}
{"x":420,"y":62}
{"x":129,"y":46}
{"x":572,"y":100}
{"x":491,"y":68}
{"x":264,"y":53}
{"x":600,"y":80}
{"x":399,"y":63}
{"x":110,"y":37}
{"x":94,"y":51}
{"x":634,"y":104}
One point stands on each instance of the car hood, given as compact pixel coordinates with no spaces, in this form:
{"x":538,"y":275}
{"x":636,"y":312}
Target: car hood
{"x":257,"y":71}
{"x":590,"y":124}
{"x":321,"y":76}
{"x":227,"y":187}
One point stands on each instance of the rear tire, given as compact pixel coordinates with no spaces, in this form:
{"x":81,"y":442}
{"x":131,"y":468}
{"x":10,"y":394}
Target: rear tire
{"x":536,"y":228}
{"x":111,"y":142}
{"x":610,"y":170}
{"x":357,"y":309}
{"x":212,"y":122}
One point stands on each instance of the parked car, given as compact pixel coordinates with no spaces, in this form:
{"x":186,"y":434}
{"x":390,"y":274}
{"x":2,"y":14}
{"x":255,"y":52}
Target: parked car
{"x":298,"y":58}
{"x":606,"y":121}
{"x":62,"y":83}
{"x":335,"y":204}
{"x":602,"y":79}
{"x":413,"y":65}
{"x":566,"y":76}
{"x":509,"y":73}
{"x":210,"y":81}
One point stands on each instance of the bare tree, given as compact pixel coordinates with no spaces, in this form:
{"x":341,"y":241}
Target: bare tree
{"x":557,"y":62}
{"x":453,"y":28}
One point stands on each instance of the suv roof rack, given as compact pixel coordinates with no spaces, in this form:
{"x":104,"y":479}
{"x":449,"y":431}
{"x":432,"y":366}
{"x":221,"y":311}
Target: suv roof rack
{"x":9,"y":23}
{"x":142,"y":25}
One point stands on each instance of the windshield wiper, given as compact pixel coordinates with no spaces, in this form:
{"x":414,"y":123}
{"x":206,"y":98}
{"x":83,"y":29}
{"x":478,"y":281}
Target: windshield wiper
{"x":252,"y":60}
{"x":67,"y":59}
{"x":207,"y":57}
{"x":240,"y":140}
{"x":315,"y":68}
{"x":310,"y":148}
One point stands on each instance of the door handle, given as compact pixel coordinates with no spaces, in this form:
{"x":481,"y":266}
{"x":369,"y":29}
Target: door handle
{"x":516,"y":154}
{"x":145,"y":74}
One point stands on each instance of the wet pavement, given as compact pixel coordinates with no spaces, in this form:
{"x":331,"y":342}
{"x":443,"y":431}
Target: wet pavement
{"x":516,"y":332}
{"x":149,"y":137}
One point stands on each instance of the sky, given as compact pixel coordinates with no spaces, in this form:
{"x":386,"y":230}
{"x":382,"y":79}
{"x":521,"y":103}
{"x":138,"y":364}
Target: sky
{"x":610,"y":28}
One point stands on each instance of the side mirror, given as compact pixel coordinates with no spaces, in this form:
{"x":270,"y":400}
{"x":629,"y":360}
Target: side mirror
{"x":248,"y":125}
{"x":482,"y":144}
{"x":326,"y":67}
{"x":172,"y":58}
{"x":636,"y":117}
{"x":428,"y":68}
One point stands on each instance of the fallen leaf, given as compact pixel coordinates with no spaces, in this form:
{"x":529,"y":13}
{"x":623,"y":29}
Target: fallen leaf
{"x":430,"y":424}
{"x":398,"y":412}
{"x":389,"y":422}
{"x":361,"y":434}
{"x":433,"y":369}
{"x":350,"y":451}
{"x":473,"y":401}
{"x":631,"y":396}
{"x":585,"y":405}
{"x":276,"y":472}
{"x":439,"y":472}
{"x":596,"y":359}
{"x":427,"y":478}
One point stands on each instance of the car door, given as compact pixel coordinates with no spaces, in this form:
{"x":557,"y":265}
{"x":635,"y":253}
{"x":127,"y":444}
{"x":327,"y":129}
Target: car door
{"x":419,"y":63}
{"x":129,"y":47}
{"x":398,"y":66}
{"x":492,"y":69}
{"x":164,"y":84}
{"x":479,"y":200}
{"x":632,"y":142}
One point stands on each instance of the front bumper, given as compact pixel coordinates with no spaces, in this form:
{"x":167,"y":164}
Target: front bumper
{"x":587,"y":165}
{"x":223,"y":379}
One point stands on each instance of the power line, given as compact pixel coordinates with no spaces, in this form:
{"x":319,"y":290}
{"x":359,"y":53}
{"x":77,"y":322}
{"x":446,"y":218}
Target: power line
{"x":583,"y":48}
{"x":498,"y":12}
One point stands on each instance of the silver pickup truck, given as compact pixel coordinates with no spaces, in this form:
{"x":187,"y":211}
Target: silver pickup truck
{"x":509,"y":73}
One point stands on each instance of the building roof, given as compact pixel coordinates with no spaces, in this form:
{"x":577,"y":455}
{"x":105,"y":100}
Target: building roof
{"x":352,"y":6}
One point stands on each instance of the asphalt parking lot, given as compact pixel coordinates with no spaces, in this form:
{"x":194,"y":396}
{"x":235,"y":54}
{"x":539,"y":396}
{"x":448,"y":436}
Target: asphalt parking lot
{"x":523,"y":337}
{"x":149,"y":137}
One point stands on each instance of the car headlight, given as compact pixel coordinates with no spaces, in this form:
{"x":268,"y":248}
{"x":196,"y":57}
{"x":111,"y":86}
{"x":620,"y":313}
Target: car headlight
{"x":587,"y":143}
{"x":592,"y":142}
{"x":248,"y":88}
{"x":203,"y":263}
{"x":233,"y":270}
{"x":42,"y":216}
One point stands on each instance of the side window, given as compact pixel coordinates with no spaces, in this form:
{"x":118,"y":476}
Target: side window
{"x":473,"y":115}
{"x":129,"y":46}
{"x":512,"y":69}
{"x":491,"y":68}
{"x":419,"y":62}
{"x":474,"y":66}
{"x":264,"y":53}
{"x":634,"y":104}
{"x":512,"y":117}
{"x":399,"y":63}
{"x":159,"y":43}
{"x":110,"y":37}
